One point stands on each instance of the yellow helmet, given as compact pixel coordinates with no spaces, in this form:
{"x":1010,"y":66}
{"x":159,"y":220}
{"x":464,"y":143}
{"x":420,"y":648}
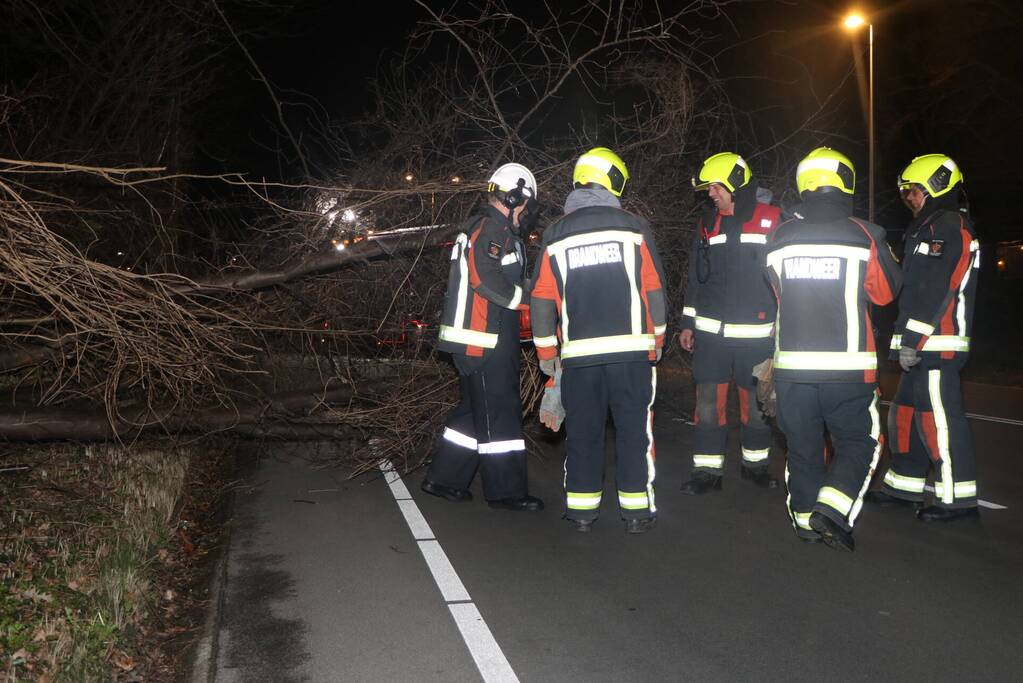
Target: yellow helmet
{"x":603,"y":167}
{"x":824,"y":167}
{"x":937,"y":174}
{"x":727,"y":169}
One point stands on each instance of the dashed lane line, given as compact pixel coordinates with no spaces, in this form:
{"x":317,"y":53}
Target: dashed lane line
{"x":486,"y":653}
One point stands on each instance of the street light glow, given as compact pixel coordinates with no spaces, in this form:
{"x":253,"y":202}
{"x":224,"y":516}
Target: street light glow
{"x":409,"y":177}
{"x":854,"y":21}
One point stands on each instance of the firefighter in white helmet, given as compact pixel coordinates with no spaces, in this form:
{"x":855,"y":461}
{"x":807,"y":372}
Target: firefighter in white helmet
{"x":480,"y":329}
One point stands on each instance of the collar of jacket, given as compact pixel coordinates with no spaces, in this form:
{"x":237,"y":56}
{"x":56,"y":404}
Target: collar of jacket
{"x":820,"y":207}
{"x":584,"y":197}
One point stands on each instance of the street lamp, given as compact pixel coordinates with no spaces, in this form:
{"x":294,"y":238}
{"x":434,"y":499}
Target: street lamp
{"x":854,"y":22}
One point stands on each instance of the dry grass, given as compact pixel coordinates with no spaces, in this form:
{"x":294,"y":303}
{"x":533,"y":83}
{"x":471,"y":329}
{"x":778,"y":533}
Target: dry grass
{"x":81,"y":527}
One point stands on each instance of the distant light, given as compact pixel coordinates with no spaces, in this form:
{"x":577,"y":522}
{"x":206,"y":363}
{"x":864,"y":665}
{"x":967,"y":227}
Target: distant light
{"x":409,"y":177}
{"x":340,"y":246}
{"x":456,"y":179}
{"x":370,"y":232}
{"x":854,"y":21}
{"x":348,"y":216}
{"x":120,"y":253}
{"x":1001,"y":263}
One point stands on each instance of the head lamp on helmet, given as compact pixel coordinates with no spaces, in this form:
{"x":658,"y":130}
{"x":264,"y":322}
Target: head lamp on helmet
{"x":513,"y":184}
{"x":825,"y":168}
{"x":602,"y":167}
{"x":936,"y":174}
{"x":727,"y":169}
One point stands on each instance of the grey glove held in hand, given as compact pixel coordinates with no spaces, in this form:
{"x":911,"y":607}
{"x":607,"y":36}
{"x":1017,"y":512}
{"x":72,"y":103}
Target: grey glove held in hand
{"x":552,"y":413}
{"x":908,"y":357}
{"x":548,"y":367}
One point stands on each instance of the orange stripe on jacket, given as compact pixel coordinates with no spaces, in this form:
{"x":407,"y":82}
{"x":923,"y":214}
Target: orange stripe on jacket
{"x":546,"y":287}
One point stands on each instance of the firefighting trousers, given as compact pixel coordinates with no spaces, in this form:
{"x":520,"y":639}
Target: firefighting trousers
{"x":716,"y":362}
{"x":484,"y":431}
{"x":927,"y":425}
{"x":849,"y":413}
{"x":627,"y":390}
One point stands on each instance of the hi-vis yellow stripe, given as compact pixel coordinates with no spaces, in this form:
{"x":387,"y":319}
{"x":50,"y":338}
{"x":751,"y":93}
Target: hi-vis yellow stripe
{"x":824,"y":360}
{"x":460,"y":335}
{"x":614,"y":344}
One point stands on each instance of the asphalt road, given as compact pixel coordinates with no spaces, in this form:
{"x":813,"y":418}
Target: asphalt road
{"x":372,"y":580}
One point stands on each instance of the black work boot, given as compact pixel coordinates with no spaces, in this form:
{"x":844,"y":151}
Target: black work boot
{"x":583,"y":526}
{"x":760,"y":476}
{"x":446,"y":492}
{"x":701,"y":483}
{"x":935,"y":513}
{"x":640,"y":525}
{"x":885,"y":499}
{"x":835,"y":536}
{"x":521,"y":504}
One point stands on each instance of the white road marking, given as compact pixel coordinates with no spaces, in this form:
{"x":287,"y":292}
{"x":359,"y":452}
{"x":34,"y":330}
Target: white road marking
{"x":983,"y":418}
{"x":488,"y":656}
{"x":982,"y":503}
{"x":486,"y":653}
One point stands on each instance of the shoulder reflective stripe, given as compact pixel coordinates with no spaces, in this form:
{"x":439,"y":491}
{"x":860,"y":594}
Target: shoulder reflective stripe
{"x":633,"y":501}
{"x":659,"y":329}
{"x":502,"y":446}
{"x":460,"y":335}
{"x":903,"y":483}
{"x":545,"y":342}
{"x":919,"y":327}
{"x":974,"y":245}
{"x":961,"y":302}
{"x":597,"y":237}
{"x":835,"y":499}
{"x":635,"y":303}
{"x":689,"y":310}
{"x":516,"y":299}
{"x":582,"y":501}
{"x":825,"y":360}
{"x":754,"y":237}
{"x":615,"y":344}
{"x":775,"y":258}
{"x":509,"y":258}
{"x":718,"y":239}
{"x":460,"y":439}
{"x":714,"y":462}
{"x":463,"y":279}
{"x":962,"y":489}
{"x":758,"y":331}
{"x":708,"y":324}
{"x":750,"y":455}
{"x":853,"y":287}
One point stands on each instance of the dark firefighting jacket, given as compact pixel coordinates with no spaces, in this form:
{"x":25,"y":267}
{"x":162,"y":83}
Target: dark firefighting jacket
{"x":598,"y":290}
{"x":939,"y":267}
{"x":727,"y":294}
{"x":825,"y":266}
{"x":487,"y":266}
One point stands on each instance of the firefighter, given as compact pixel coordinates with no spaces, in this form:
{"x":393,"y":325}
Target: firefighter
{"x":480,"y":329}
{"x":598,"y":303}
{"x":728,"y":320}
{"x":825,"y":266}
{"x":926,"y":422}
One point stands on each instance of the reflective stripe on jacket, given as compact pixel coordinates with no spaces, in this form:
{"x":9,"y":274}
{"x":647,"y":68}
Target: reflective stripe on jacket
{"x":487,"y":265}
{"x":939,"y":267}
{"x":825,"y":267}
{"x":598,"y":290}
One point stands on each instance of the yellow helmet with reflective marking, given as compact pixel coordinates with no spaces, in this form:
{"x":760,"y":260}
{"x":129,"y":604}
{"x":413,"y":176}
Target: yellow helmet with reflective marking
{"x":824,"y":167}
{"x":727,"y":169}
{"x":937,"y":174}
{"x":603,"y":167}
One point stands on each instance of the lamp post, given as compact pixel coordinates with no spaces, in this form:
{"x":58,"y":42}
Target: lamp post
{"x":853,"y":22}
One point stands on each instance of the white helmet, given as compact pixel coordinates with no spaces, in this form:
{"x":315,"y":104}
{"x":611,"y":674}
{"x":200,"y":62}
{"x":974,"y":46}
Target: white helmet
{"x":514,"y":183}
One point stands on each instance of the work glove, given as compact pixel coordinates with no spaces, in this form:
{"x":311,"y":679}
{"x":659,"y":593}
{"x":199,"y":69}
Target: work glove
{"x":548,"y":367}
{"x":552,"y":413}
{"x":908,"y":357}
{"x":766,"y":395}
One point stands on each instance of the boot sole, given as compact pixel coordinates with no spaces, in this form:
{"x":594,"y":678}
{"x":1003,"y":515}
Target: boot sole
{"x":828,"y":536}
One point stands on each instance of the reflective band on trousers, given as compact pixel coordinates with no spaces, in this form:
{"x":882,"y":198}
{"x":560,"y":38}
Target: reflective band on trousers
{"x":939,"y":342}
{"x":755,"y":456}
{"x":962,"y":489}
{"x":708,"y":324}
{"x":919,"y":327}
{"x":758,"y":331}
{"x":825,"y":360}
{"x":802,"y":520}
{"x":459,"y":439}
{"x":713,"y":461}
{"x":633,"y":501}
{"x":615,"y":344}
{"x":502,"y":446}
{"x":835,"y":499}
{"x":582,"y":501}
{"x":461,"y":335}
{"x":903,"y":483}
{"x":545,"y":342}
